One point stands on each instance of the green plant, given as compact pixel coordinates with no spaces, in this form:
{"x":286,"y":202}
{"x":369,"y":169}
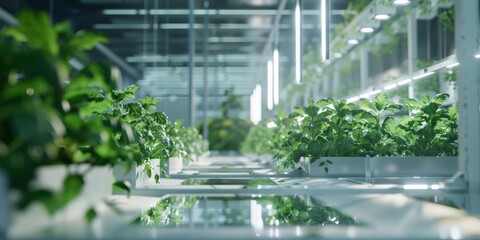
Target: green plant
{"x":323,"y":130}
{"x":41,"y":117}
{"x":232,"y":101}
{"x":431,"y":130}
{"x":149,"y":130}
{"x":369,"y":133}
{"x":226,"y":134}
{"x":331,"y":128}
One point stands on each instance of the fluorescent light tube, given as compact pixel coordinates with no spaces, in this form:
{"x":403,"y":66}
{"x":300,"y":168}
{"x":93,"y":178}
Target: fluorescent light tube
{"x":415,"y":186}
{"x":391,"y":86}
{"x":270,"y":85}
{"x":119,"y":12}
{"x":403,"y":82}
{"x":422,"y":75}
{"x":298,"y":66}
{"x":353,"y":99}
{"x":276,"y":77}
{"x":453,"y":65}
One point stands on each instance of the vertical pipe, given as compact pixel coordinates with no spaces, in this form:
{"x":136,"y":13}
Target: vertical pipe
{"x":191,"y":60}
{"x":466,"y":40}
{"x":412,"y":50}
{"x":205,"y":71}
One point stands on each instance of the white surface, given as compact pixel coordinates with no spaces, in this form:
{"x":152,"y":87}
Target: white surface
{"x":98,"y":186}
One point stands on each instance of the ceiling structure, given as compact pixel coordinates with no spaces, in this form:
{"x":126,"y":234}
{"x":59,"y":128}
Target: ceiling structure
{"x":150,"y":38}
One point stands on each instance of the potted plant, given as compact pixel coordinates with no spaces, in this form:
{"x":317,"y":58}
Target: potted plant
{"x":323,"y":134}
{"x":426,"y":138}
{"x":346,"y":135}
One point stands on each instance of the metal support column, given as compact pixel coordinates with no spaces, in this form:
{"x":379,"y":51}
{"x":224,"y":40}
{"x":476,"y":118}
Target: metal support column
{"x":191,"y":61}
{"x":326,"y":85}
{"x":363,"y":67}
{"x":412,"y":50}
{"x":335,"y":80}
{"x":466,"y":40}
{"x":205,"y":71}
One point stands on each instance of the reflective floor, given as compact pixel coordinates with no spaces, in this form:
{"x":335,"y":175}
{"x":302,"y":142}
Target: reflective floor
{"x":210,"y":201}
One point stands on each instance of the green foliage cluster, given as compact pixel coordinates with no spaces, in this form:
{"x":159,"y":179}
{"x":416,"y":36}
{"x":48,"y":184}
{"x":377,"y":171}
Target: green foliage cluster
{"x":50,"y":114}
{"x":226,"y":134}
{"x":232,"y":101}
{"x":329,"y":128}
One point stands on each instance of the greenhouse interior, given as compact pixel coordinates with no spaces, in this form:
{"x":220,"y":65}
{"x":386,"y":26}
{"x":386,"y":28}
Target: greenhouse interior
{"x":239,"y":119}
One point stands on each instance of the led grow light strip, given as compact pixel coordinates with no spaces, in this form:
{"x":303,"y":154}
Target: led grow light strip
{"x":256,"y":105}
{"x":423,"y":75}
{"x":276,"y":77}
{"x":298,"y":76}
{"x":448,"y":62}
{"x":270,"y":85}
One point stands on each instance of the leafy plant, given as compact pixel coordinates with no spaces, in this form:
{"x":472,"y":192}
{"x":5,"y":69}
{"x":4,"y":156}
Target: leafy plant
{"x":431,"y":130}
{"x":226,"y":134}
{"x":41,"y":116}
{"x":331,"y":128}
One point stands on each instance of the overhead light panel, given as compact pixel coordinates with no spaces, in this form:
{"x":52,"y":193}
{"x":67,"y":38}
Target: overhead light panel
{"x":367,"y":30}
{"x":382,"y":17}
{"x":352,"y":41}
{"x":401,"y":2}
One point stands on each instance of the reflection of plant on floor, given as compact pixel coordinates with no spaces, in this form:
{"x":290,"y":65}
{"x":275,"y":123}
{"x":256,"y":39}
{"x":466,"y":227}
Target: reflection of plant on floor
{"x":167,"y":212}
{"x":281,"y":210}
{"x":292,"y":210}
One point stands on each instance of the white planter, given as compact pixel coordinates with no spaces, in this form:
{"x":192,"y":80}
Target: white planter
{"x":137,"y":176}
{"x":97,"y":187}
{"x":414,"y":166}
{"x":4,"y":205}
{"x":175,"y":165}
{"x":340,"y":167}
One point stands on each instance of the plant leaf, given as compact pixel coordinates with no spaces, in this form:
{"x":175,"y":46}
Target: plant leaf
{"x":121,"y":186}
